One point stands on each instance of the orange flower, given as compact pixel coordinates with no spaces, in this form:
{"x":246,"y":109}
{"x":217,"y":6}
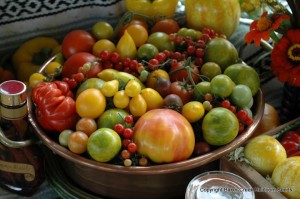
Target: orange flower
{"x":261,"y":28}
{"x":286,"y":58}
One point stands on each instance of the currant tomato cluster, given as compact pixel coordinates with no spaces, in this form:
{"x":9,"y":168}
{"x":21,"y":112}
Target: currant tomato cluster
{"x":128,"y":153}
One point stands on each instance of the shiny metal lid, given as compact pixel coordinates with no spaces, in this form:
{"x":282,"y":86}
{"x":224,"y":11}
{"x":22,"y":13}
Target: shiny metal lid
{"x":12,"y":93}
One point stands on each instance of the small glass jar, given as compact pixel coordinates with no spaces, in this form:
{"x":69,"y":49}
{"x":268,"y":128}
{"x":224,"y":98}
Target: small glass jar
{"x":219,"y":185}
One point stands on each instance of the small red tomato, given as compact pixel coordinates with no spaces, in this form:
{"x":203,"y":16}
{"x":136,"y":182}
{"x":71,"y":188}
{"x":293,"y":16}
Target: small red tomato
{"x":201,"y":148}
{"x":179,"y":72}
{"x":77,"y":41}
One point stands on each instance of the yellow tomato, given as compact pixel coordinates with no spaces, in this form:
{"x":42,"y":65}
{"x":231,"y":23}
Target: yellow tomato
{"x":154,"y":75}
{"x":153,"y":98}
{"x":90,"y":103}
{"x":264,"y":152}
{"x":286,"y":175}
{"x":137,"y":105}
{"x":103,"y":44}
{"x":52,"y":67}
{"x":110,"y":88}
{"x":120,"y":99}
{"x":35,"y":79}
{"x":138,"y":33}
{"x":133,"y":88}
{"x":193,"y":111}
{"x":126,"y":46}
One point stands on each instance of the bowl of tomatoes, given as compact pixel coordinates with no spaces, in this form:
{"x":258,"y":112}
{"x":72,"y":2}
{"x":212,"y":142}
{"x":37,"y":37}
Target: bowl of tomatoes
{"x":145,"y":140}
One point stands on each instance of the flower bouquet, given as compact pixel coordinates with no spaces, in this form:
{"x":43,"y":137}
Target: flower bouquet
{"x":281,"y":25}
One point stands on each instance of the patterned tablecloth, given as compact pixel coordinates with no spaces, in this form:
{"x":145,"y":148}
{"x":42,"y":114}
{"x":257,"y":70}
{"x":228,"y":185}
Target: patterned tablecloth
{"x":24,"y":19}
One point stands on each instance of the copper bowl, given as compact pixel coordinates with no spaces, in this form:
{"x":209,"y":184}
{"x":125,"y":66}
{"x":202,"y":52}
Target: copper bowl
{"x":158,"y":181}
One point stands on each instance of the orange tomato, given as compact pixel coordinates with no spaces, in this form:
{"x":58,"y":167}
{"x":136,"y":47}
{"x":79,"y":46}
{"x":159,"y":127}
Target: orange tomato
{"x":166,"y":25}
{"x":86,"y":125}
{"x":138,"y":33}
{"x":154,"y":75}
{"x":77,"y":142}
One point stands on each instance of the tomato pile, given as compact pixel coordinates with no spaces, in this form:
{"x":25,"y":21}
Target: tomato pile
{"x":144,"y":93}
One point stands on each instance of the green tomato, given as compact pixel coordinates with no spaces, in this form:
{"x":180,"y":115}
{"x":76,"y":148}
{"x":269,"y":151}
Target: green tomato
{"x":161,"y":41}
{"x":102,"y":30}
{"x":221,"y":85}
{"x":64,"y":136}
{"x":146,"y":52}
{"x":241,"y":95}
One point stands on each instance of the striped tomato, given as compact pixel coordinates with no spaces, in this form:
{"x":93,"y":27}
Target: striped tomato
{"x":221,"y":15}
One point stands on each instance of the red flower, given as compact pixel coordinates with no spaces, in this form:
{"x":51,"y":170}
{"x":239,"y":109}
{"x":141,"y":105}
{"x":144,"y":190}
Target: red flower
{"x":261,"y":28}
{"x":286,"y":58}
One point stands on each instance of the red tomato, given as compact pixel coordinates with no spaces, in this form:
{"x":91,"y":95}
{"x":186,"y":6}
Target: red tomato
{"x":181,"y":75}
{"x":183,"y":90}
{"x":165,"y":25}
{"x":74,"y":62}
{"x":164,"y":136}
{"x":77,"y":41}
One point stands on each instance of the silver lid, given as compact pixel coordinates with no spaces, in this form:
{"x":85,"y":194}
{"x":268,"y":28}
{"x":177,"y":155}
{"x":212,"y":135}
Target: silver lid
{"x":12,"y":93}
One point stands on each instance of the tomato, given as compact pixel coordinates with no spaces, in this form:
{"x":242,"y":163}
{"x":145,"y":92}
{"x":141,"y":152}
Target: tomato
{"x":73,"y":63}
{"x":161,"y":41}
{"x":220,"y":126}
{"x":152,"y":98}
{"x":86,"y":125}
{"x":120,"y":99}
{"x":90,"y":103}
{"x":201,"y":89}
{"x":164,"y":136}
{"x":221,"y":85}
{"x":182,"y":73}
{"x":132,"y":22}
{"x":110,"y":88}
{"x":35,"y":79}
{"x":77,"y":142}
{"x":103,"y":44}
{"x":154,"y":75}
{"x":241,"y":95}
{"x":244,"y":74}
{"x":165,"y":25}
{"x":264,"y":152}
{"x":126,"y":46}
{"x":102,"y":30}
{"x":138,"y":33}
{"x":52,"y":68}
{"x":210,"y":69}
{"x":137,"y":105}
{"x":286,"y":176}
{"x":77,"y":41}
{"x":64,"y":136}
{"x":221,"y":51}
{"x":193,"y":111}
{"x":90,"y":83}
{"x":173,"y":101}
{"x":104,"y":144}
{"x":111,"y":117}
{"x":201,"y":148}
{"x":146,"y":52}
{"x":162,"y":86}
{"x":183,"y":90}
{"x":132,"y":88}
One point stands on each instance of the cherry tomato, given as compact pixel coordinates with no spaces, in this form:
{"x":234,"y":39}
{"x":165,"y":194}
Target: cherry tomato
{"x":120,"y":99}
{"x":86,"y":125}
{"x":137,"y":105}
{"x":110,"y":88}
{"x":73,"y":63}
{"x":132,"y":88}
{"x":77,"y":142}
{"x":183,"y":90}
{"x":77,"y":41}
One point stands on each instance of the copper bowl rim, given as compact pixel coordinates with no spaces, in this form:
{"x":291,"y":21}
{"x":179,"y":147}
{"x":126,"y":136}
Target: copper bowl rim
{"x":153,"y":169}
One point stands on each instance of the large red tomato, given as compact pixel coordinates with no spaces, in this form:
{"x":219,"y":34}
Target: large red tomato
{"x":77,"y":41}
{"x":164,"y":136}
{"x":73,"y":63}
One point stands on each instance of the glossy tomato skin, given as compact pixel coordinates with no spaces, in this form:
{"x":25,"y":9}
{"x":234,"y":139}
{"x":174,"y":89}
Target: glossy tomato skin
{"x":164,"y":136}
{"x":183,"y":90}
{"x":181,"y":75}
{"x":74,"y":62}
{"x":77,"y":41}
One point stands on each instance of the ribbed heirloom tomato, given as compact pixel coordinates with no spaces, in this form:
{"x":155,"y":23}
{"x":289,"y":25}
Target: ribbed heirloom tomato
{"x":164,"y":136}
